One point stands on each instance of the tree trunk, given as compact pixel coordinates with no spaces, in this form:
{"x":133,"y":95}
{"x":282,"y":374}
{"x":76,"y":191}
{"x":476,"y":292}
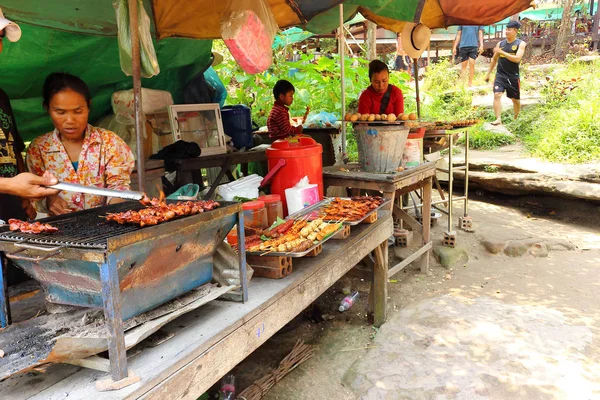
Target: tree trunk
{"x":595,"y":29}
{"x":371,"y":40}
{"x":565,"y":29}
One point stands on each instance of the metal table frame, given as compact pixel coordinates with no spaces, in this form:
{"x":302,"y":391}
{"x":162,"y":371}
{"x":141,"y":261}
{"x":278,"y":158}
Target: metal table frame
{"x":465,"y":221}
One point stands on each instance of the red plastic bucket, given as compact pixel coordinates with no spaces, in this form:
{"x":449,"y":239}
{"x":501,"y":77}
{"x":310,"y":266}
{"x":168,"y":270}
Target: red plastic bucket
{"x":291,"y":160}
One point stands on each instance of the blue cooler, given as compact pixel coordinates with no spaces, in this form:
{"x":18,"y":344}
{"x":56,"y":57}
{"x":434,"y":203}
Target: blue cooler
{"x":237,"y":124}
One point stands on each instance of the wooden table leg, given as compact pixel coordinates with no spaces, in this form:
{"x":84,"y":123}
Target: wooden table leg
{"x":380,"y":283}
{"x":427,"y":189}
{"x":215,"y":184}
{"x":391,"y":196}
{"x":111,"y":296}
{"x":244,"y":169}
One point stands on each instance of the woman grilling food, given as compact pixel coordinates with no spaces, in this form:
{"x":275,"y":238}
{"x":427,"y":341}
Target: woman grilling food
{"x":77,"y":152}
{"x":380,"y":97}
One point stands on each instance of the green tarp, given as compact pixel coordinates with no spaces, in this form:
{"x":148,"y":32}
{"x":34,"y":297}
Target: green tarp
{"x":95,"y":59}
{"x":554,"y":13}
{"x":290,"y":36}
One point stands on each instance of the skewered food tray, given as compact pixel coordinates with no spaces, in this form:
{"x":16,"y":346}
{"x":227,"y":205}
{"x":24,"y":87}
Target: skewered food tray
{"x":293,"y":237}
{"x":318,"y":210}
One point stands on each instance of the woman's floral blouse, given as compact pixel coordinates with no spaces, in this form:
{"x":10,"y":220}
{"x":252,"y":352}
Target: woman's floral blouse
{"x":105,"y":161}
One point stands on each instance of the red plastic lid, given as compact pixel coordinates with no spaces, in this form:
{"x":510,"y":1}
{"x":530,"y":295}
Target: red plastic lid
{"x":270,"y":198}
{"x":417,"y":133}
{"x":298,"y":146}
{"x":253,"y":205}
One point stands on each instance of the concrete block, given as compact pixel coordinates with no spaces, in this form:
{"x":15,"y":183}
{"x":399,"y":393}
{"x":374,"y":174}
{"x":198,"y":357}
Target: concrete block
{"x":465,"y":223}
{"x":449,"y":239}
{"x":403,"y":237}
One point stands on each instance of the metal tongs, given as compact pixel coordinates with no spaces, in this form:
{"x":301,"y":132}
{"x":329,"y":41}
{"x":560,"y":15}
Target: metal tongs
{"x":73,"y":187}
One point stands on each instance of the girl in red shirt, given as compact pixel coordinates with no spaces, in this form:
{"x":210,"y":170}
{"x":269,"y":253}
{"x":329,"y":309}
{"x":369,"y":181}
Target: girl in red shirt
{"x":370,"y":101}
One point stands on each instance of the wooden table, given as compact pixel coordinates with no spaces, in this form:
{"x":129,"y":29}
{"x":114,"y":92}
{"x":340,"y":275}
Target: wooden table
{"x":393,"y":186}
{"x":188,"y":170}
{"x":214,"y":338}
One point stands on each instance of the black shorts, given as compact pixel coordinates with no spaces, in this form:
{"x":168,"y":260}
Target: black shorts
{"x":512,"y":86}
{"x":401,"y":64}
{"x":464,"y":53}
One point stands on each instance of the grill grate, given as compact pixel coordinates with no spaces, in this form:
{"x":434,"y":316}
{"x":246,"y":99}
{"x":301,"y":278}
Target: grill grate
{"x":84,"y":229}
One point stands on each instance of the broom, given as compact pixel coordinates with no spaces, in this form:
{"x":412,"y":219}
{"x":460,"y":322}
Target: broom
{"x":300,"y":353}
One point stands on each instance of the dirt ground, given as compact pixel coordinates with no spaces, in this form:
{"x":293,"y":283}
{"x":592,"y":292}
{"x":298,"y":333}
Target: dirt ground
{"x":564,"y":280}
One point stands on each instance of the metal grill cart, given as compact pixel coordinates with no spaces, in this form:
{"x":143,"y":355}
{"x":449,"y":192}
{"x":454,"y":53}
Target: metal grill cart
{"x":123,"y":269}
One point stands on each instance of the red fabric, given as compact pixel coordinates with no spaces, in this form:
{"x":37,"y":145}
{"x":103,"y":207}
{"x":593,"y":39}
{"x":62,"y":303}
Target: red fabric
{"x":370,"y":101}
{"x":460,"y":12}
{"x":279,"y":124}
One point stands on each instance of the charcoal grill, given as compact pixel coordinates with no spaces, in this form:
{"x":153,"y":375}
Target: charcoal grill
{"x":123,"y":269}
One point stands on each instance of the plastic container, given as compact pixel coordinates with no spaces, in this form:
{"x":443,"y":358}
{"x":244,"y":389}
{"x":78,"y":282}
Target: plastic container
{"x":380,"y":148}
{"x":255,"y":214}
{"x":291,"y":160}
{"x":348,"y":301}
{"x":245,"y":187}
{"x":228,"y":388}
{"x":232,"y":237}
{"x":237,"y":124}
{"x":413,"y":149}
{"x":274,"y":207}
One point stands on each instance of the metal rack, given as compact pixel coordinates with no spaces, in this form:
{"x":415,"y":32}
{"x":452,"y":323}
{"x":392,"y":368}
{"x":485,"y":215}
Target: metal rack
{"x":465,"y":222}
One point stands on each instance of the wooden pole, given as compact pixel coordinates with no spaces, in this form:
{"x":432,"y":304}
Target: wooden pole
{"x":342,"y":52}
{"x":595,"y":27}
{"x":137,"y":91}
{"x":416,"y":76}
{"x":371,"y":40}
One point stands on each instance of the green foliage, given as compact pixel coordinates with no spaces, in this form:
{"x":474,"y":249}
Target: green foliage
{"x":567,"y":127}
{"x":447,"y":99}
{"x":485,"y":140}
{"x":317,"y":84}
{"x":351,"y":146}
{"x":492,"y":169}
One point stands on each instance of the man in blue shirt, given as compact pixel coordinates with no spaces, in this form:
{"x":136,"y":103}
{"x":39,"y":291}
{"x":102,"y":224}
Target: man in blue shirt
{"x":467,"y":46}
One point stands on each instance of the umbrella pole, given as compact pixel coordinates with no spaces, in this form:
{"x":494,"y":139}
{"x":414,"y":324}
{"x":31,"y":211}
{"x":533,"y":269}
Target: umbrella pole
{"x":342,"y":51}
{"x":137,"y":92}
{"x":416,"y":76}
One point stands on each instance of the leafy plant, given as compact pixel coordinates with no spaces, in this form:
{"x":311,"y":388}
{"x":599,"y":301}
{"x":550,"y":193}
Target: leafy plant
{"x":486,"y":140}
{"x":566,"y":128}
{"x":317,"y":84}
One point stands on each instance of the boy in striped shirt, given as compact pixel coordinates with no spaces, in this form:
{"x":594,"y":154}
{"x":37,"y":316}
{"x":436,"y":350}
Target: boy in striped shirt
{"x":279,"y":124}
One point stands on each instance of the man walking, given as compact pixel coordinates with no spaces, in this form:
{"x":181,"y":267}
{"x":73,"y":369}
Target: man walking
{"x":402,"y":60}
{"x":467,"y":47}
{"x":507,"y":54}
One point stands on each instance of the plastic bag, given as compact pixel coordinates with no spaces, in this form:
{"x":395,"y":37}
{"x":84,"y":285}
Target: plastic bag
{"x":303,"y":194}
{"x":321,"y":120}
{"x":211,"y":77}
{"x":152,"y":102}
{"x":248,"y":30}
{"x":149,"y":62}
